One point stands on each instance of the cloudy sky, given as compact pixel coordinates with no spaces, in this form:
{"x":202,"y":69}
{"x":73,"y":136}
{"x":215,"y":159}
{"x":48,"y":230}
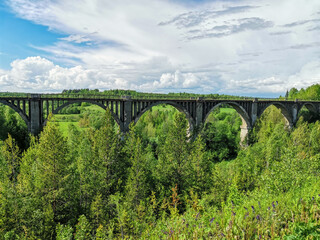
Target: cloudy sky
{"x":250,"y":48}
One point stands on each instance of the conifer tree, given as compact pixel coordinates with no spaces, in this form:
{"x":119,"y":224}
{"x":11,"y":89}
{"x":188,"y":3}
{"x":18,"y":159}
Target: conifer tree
{"x":9,"y":199}
{"x":136,"y":188}
{"x":52,"y":172}
{"x":106,"y":152}
{"x":174,"y":165}
{"x":200,"y":174}
{"x":43,"y":183}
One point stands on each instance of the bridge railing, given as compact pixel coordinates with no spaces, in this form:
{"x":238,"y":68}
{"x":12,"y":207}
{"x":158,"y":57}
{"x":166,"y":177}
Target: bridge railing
{"x":151,"y":97}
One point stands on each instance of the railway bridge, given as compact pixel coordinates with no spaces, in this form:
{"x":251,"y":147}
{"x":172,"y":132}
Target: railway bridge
{"x":35,"y":108}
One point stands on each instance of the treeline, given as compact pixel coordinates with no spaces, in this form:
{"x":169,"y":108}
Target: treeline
{"x":310,"y":93}
{"x":132,"y":93}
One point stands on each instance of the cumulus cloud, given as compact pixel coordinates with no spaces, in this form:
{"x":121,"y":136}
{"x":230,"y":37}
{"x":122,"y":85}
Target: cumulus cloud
{"x":177,"y":80}
{"x":36,"y":74}
{"x":41,"y":75}
{"x":309,"y":74}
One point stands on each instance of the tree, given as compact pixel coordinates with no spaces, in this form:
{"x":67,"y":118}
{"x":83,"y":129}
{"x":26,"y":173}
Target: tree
{"x":11,"y":153}
{"x":43,"y":183}
{"x":173,"y":165}
{"x":9,"y":199}
{"x":107,"y":165}
{"x":136,"y":189}
{"x":200,"y":166}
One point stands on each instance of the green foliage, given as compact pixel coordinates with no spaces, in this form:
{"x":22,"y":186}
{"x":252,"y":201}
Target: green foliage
{"x":11,"y":123}
{"x":222,"y":136}
{"x":83,"y":229}
{"x":159,"y":181}
{"x":302,"y":230}
{"x":173,"y":164}
{"x":310,"y":93}
{"x":64,"y":232}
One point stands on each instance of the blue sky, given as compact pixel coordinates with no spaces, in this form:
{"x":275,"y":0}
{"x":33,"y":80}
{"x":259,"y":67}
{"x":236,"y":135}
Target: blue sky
{"x":254,"y":48}
{"x":19,"y":36}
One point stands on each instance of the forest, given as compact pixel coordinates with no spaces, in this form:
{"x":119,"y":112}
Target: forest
{"x":82,"y":179}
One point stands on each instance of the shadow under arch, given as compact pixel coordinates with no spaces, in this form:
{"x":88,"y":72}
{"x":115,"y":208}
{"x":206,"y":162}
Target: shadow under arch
{"x":246,"y":120}
{"x":284,"y":111}
{"x":81,"y":101}
{"x":19,"y":111}
{"x":176,"y":106}
{"x":310,"y":106}
{"x":308,"y":111}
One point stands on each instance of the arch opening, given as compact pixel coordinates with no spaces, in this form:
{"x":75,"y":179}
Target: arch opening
{"x":15,"y":123}
{"x":155,"y":121}
{"x":222,"y":131}
{"x":287,"y":116}
{"x":81,"y":114}
{"x":272,"y":121}
{"x":308,"y":113}
{"x":170,"y":105}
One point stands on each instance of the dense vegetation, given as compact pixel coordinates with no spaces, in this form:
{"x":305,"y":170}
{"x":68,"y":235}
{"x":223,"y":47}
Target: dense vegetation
{"x":159,"y":181}
{"x":310,"y":93}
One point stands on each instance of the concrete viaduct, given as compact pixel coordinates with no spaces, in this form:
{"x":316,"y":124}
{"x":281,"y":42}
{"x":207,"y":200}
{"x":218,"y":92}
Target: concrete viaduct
{"x":35,"y":108}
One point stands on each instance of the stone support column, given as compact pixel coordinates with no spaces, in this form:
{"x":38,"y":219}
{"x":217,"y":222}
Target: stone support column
{"x":127,"y":113}
{"x":199,"y":112}
{"x":294,"y":112}
{"x":254,"y":111}
{"x":35,"y":125}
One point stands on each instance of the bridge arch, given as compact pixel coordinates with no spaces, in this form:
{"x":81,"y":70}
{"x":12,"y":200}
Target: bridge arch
{"x":284,"y":111}
{"x":81,"y":101}
{"x":308,"y":111}
{"x":176,"y":106}
{"x":246,"y":123}
{"x":246,"y":120}
{"x":310,"y":106}
{"x":18,"y":110}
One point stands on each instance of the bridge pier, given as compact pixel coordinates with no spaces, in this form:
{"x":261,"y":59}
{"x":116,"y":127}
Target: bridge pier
{"x":294,"y":112}
{"x":126,"y":114}
{"x":35,"y":122}
{"x":199,"y":113}
{"x":254,"y":111}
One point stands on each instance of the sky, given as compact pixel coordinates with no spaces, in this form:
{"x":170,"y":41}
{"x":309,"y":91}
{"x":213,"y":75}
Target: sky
{"x":249,"y":48}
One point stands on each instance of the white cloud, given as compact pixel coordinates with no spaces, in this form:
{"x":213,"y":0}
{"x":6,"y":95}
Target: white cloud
{"x":309,"y":74}
{"x":37,"y":74}
{"x":177,"y":80}
{"x":77,"y":38}
{"x":217,"y":46}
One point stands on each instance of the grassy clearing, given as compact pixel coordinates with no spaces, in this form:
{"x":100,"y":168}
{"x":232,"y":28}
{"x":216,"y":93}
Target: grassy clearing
{"x":64,"y":126}
{"x":227,"y":110}
{"x":66,"y":118}
{"x":94,"y":108}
